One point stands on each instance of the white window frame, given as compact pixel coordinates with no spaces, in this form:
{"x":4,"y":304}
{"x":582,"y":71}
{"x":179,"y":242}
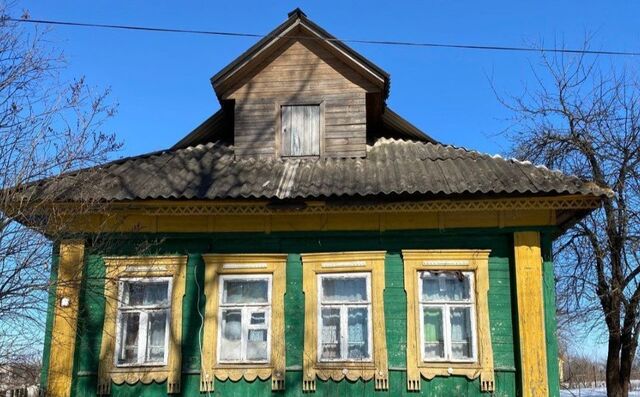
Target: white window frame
{"x":344,"y":307}
{"x":144,"y":311}
{"x":445,"y":306}
{"x":246,"y":310}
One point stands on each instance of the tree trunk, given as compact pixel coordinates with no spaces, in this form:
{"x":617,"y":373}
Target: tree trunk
{"x":614,"y":380}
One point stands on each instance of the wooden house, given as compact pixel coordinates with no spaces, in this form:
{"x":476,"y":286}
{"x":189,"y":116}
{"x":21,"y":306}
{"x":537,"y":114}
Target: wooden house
{"x":307,"y":240}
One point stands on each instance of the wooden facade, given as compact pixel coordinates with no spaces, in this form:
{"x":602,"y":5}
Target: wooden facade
{"x":299,"y":73}
{"x":496,"y":241}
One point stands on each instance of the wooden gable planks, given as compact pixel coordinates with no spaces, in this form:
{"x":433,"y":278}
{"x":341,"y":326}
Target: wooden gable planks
{"x":301,"y":73}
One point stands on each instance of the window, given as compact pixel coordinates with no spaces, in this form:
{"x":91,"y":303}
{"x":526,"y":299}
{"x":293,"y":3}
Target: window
{"x":143,"y":321}
{"x":447,"y":312}
{"x":344,"y":328}
{"x":245,"y":307}
{"x":142,"y":331}
{"x":243,"y":336}
{"x":448,"y":330}
{"x":345,"y":317}
{"x":300,"y":130}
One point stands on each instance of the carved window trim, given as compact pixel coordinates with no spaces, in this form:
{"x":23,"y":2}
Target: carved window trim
{"x":476,"y":261}
{"x":142,"y":267}
{"x":344,"y":262}
{"x":243,"y":264}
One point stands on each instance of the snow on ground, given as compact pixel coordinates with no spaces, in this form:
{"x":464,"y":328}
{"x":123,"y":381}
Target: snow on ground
{"x":598,"y":392}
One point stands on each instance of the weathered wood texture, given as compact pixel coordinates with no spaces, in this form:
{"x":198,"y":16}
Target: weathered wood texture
{"x":63,"y":339}
{"x":301,"y":72}
{"x":300,"y":130}
{"x":531,"y":320}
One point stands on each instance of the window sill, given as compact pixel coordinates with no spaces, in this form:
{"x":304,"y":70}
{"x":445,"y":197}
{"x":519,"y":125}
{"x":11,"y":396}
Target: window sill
{"x":128,"y":367}
{"x":345,"y":364}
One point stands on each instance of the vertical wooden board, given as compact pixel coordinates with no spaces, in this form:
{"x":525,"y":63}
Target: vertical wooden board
{"x":505,"y":384}
{"x":65,"y":321}
{"x":500,"y":313}
{"x":193,"y":306}
{"x":91,"y":317}
{"x":285,"y":116}
{"x":293,"y":384}
{"x":553,"y":370}
{"x":531,"y":324}
{"x":85,"y":386}
{"x":190,"y":385}
{"x":294,"y":311}
{"x":394,"y":307}
{"x":397,"y":383}
{"x":312,"y":127}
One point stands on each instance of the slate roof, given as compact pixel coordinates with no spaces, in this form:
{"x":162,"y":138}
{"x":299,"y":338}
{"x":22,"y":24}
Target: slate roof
{"x":211,"y":171}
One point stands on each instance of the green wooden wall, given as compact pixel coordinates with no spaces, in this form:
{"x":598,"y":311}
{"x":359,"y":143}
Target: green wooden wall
{"x":502,"y":306}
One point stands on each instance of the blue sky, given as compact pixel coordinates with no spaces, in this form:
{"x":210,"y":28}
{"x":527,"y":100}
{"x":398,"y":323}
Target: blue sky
{"x":161,"y":80}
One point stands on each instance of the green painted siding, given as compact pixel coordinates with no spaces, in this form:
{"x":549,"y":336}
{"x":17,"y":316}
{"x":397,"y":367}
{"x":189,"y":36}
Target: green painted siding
{"x":500,"y":299}
{"x":551,"y":326}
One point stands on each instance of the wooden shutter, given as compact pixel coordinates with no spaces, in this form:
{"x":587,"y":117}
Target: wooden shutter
{"x":301,"y":130}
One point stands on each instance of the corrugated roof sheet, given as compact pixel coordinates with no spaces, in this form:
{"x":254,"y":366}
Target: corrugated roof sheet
{"x":211,"y":171}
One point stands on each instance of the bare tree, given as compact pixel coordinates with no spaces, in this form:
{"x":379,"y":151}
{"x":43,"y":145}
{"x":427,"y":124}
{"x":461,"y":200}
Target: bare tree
{"x":584,"y":119}
{"x":48,"y":128}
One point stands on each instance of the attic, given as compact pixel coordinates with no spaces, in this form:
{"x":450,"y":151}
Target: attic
{"x":299,"y":92}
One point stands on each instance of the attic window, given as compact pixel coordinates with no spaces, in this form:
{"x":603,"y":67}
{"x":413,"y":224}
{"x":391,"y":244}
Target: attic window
{"x":300,"y":130}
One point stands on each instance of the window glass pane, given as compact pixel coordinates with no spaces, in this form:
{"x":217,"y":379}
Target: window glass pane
{"x":258,"y":318}
{"x":145,"y":293}
{"x":461,"y":346}
{"x":433,"y":334}
{"x":245,"y":291}
{"x":129,"y":338}
{"x":340,"y":289}
{"x":156,"y":336}
{"x":230,"y":344}
{"x":330,"y":334}
{"x":257,"y":345}
{"x":449,"y":286}
{"x":358,"y":322}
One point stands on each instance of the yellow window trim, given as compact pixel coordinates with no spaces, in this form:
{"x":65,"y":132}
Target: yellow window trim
{"x":344,"y":262}
{"x":216,"y":265}
{"x":143,"y":267}
{"x":460,"y":260}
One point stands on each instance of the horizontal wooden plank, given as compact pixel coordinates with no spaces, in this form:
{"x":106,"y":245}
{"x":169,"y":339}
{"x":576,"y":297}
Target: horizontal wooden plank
{"x":280,"y":89}
{"x":349,"y":127}
{"x":253,"y":150}
{"x":345,"y":134}
{"x":355,"y":118}
{"x":342,"y":110}
{"x":256,"y":139}
{"x":342,"y":97}
{"x":258,"y":124}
